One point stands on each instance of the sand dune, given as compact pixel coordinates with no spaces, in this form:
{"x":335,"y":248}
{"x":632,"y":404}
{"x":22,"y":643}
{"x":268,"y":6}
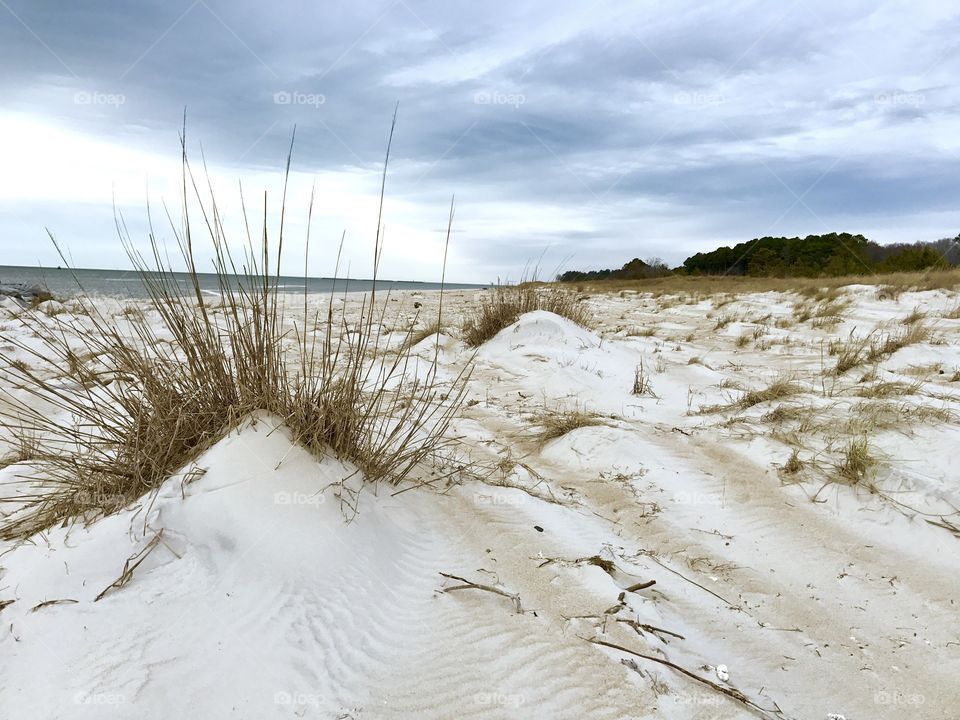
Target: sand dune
{"x":259,"y":599}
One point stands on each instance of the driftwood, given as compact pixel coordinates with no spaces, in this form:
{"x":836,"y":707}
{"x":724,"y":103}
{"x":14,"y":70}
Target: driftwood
{"x":470,"y":585}
{"x":732,"y":693}
{"x":658,"y":631}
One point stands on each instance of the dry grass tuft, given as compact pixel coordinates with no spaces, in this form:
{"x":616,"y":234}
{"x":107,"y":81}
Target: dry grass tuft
{"x":418,"y":335}
{"x":723,"y":321}
{"x":158,"y":404}
{"x":25,"y":448}
{"x":915,"y":316}
{"x":794,"y":464}
{"x":779,"y":389}
{"x":889,"y":389}
{"x":782,"y":387}
{"x":641,"y":382}
{"x":506,"y":303}
{"x":856,"y":462}
{"x":557,"y":423}
{"x":952,"y":313}
{"x":887,"y":344}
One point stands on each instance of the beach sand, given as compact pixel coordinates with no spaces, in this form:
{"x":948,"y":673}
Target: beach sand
{"x":803,"y":596}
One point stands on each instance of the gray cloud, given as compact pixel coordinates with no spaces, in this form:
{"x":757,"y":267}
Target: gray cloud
{"x":602,"y":132}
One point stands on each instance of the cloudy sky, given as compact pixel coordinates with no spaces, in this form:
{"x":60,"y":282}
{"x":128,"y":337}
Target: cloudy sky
{"x":587,"y":133}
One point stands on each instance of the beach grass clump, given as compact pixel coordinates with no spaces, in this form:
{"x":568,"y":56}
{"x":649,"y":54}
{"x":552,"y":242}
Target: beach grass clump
{"x":885,"y":345}
{"x":552,"y":424}
{"x":893,"y":388}
{"x":641,"y":382}
{"x":794,"y":464}
{"x":856,"y":462}
{"x":723,"y":321}
{"x":153,"y":395}
{"x":417,"y":335}
{"x":916,"y":315}
{"x":850,"y":354}
{"x":504,"y":305}
{"x":780,"y":388}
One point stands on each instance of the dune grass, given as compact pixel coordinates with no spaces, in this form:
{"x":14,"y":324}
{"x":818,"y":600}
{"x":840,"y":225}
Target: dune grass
{"x":641,"y":382}
{"x":780,"y":388}
{"x":504,"y":304}
{"x":146,"y":406}
{"x":552,"y":424}
{"x":856,"y":462}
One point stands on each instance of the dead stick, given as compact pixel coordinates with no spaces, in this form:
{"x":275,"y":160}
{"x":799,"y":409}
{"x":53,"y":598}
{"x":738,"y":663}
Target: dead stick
{"x":649,"y":628}
{"x":470,"y":585}
{"x":694,"y":582}
{"x":729,"y":692}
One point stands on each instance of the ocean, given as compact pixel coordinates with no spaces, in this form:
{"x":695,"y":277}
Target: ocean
{"x":127,"y":283}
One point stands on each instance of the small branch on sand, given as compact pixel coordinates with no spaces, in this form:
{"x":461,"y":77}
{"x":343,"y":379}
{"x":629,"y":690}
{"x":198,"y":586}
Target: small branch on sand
{"x":132,"y":563}
{"x":48,"y":603}
{"x":693,"y":582}
{"x":640,"y":627}
{"x":470,"y":585}
{"x":640,"y":586}
{"x":606,"y":565}
{"x":946,"y":525}
{"x":732,"y":693}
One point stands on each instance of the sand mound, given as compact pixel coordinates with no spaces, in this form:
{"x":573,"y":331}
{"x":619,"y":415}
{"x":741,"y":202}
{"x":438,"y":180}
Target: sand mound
{"x":259,"y":600}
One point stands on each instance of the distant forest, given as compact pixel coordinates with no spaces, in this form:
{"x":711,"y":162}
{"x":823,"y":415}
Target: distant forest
{"x":813,"y":256}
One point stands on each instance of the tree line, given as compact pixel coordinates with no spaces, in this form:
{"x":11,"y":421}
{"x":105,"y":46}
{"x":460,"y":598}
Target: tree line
{"x":812,"y":256}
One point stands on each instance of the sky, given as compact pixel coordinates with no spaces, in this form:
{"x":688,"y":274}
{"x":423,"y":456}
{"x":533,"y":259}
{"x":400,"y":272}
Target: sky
{"x":572,"y":135}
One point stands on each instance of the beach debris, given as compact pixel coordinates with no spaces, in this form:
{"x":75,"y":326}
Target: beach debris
{"x":470,"y":585}
{"x":131,"y":564}
{"x":48,"y":603}
{"x":538,"y":528}
{"x":723,"y":673}
{"x":730,"y":692}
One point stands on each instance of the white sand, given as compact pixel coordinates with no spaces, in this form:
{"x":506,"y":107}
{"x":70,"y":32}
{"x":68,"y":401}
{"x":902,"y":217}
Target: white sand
{"x":260,"y":601}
